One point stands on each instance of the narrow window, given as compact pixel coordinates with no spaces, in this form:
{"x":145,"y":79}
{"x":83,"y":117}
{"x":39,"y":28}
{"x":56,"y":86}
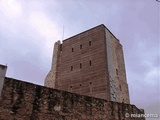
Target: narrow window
{"x":80,"y":65}
{"x":72,"y":49}
{"x":116,"y":71}
{"x":61,"y":47}
{"x":80,"y":85}
{"x":90,"y":43}
{"x":120,"y":87}
{"x":90,"y":62}
{"x":71,"y":68}
{"x":80,"y":46}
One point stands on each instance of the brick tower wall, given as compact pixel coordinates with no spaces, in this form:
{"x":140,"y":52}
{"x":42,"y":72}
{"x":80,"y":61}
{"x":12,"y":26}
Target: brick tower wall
{"x":83,"y":67}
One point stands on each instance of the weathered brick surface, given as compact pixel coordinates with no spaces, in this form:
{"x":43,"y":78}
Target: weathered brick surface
{"x":26,"y":101}
{"x":116,"y":67}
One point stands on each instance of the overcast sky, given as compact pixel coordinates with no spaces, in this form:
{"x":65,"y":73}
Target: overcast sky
{"x":29,"y":28}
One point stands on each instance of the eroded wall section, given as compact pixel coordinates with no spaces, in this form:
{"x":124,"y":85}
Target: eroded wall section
{"x":51,"y":77}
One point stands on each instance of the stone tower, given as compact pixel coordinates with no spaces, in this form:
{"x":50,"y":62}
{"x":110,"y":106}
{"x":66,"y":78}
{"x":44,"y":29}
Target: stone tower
{"x":90,"y":63}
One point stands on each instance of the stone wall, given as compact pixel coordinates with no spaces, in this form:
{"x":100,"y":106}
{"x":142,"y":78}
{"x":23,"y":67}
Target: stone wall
{"x":26,"y":101}
{"x":3,"y":70}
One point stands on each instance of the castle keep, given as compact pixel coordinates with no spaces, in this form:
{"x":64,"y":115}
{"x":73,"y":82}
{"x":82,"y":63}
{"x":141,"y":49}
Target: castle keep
{"x":90,"y":63}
